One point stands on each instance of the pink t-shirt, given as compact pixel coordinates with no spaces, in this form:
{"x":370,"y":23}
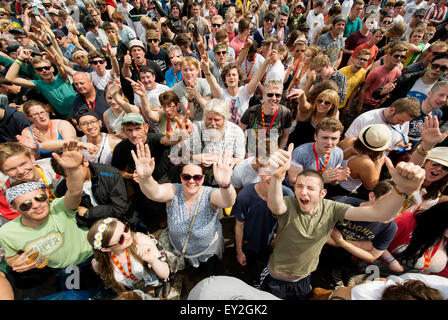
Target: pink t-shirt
{"x":237,"y":45}
{"x":378,"y":78}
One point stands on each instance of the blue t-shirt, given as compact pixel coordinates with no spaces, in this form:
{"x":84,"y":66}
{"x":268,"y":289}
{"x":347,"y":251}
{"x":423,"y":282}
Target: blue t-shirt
{"x":171,"y":79}
{"x":303,"y":157}
{"x":351,"y":26}
{"x":259,"y":224}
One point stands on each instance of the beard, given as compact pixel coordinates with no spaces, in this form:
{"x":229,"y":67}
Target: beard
{"x":214,"y":133}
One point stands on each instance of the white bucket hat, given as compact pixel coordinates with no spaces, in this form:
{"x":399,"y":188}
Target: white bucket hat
{"x":376,"y":137}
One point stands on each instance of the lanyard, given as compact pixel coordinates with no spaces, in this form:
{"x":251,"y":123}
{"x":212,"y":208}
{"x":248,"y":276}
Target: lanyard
{"x":296,"y":67}
{"x":301,"y":75}
{"x":428,"y":258}
{"x":41,"y":172}
{"x":317,"y":160}
{"x":280,"y":39}
{"x":120,"y":267}
{"x":168,"y":127}
{"x":90,"y":106}
{"x":175,"y":75}
{"x":395,"y":129}
{"x":247,"y":61}
{"x":262,"y":119}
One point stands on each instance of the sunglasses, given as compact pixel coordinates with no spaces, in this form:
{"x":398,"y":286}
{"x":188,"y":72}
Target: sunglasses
{"x":122,"y":238}
{"x":221,"y":53}
{"x":327,"y":103}
{"x":419,"y":17}
{"x":40,"y":69}
{"x":436,"y":66}
{"x":387,"y":22}
{"x":268,"y":20}
{"x":436,"y":164}
{"x":26,"y":206}
{"x":216,"y":25}
{"x":277,"y":95}
{"x":430,"y":34}
{"x":397,"y":56}
{"x":298,"y":51}
{"x":187,"y":177}
{"x":152,"y":40}
{"x":97,"y":61}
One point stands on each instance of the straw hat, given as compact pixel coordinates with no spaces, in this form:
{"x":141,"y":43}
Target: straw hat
{"x":376,"y":137}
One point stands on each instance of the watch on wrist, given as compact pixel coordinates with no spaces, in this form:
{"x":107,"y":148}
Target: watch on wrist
{"x":227,"y":186}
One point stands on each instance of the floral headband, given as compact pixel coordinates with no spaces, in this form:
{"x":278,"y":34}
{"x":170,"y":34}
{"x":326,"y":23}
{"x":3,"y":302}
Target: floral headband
{"x":99,"y":235}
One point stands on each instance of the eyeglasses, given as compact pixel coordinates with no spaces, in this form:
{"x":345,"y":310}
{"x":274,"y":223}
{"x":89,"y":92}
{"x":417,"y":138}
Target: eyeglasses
{"x":97,"y":62}
{"x":327,"y":103}
{"x":436,"y":164}
{"x":187,"y":177}
{"x":277,"y":95}
{"x":38,"y":114}
{"x":398,"y":56}
{"x":152,"y":40}
{"x":87,"y":124}
{"x":436,"y":66}
{"x":26,"y":206}
{"x":40,"y":69}
{"x":122,"y":237}
{"x":216,"y":25}
{"x":221,"y":53}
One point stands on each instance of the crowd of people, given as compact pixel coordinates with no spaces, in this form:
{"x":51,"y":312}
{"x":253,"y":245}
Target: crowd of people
{"x":129,"y":131}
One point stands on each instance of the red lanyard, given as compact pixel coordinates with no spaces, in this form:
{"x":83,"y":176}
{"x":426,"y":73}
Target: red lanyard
{"x":262,"y":119}
{"x":301,"y":74}
{"x":317,"y":160}
{"x":248,"y":73}
{"x":175,"y":75}
{"x":168,"y":127}
{"x":90,"y":106}
{"x":427,"y":258}
{"x":280,"y":39}
{"x":296,"y":67}
{"x":120,"y":267}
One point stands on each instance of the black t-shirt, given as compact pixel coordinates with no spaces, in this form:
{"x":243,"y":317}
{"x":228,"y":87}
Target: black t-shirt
{"x":100,"y":105}
{"x":160,"y":58}
{"x":123,"y":161}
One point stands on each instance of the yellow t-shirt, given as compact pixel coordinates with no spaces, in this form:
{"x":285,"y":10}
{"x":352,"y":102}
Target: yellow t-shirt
{"x":353,"y":79}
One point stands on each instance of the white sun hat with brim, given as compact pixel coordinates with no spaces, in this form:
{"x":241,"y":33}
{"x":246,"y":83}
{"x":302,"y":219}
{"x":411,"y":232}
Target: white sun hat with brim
{"x":376,"y":137}
{"x":439,"y":155}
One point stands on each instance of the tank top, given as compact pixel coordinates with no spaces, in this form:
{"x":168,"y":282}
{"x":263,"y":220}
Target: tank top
{"x":104,"y":155}
{"x":46,"y":153}
{"x":351,"y":184}
{"x":114,"y":121}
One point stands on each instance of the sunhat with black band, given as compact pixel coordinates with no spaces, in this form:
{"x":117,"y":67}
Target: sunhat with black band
{"x":439,"y":155}
{"x":376,"y":137}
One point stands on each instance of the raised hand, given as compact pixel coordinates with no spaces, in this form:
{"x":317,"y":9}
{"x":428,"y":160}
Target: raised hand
{"x":127,"y":59}
{"x":144,"y":163}
{"x":430,"y":133}
{"x":185,"y":126}
{"x":407,"y":176}
{"x":108,"y":50}
{"x":280,"y":161}
{"x":139,"y":89}
{"x":223,"y":168}
{"x":72,"y":157}
{"x":27,"y":141}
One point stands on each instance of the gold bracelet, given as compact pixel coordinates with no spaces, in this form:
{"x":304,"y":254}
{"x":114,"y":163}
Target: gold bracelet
{"x":421,"y":151}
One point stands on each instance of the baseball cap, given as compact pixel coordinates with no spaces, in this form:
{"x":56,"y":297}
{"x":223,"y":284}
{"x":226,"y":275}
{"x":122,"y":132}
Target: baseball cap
{"x":58,"y":32}
{"x":439,"y":155}
{"x":85,"y":112}
{"x":132,"y":118}
{"x":17,"y":30}
{"x":376,"y":137}
{"x":53,"y":11}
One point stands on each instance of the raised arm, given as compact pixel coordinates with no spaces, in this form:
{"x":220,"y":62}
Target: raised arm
{"x":282,"y":161}
{"x":113,"y":60}
{"x":408,"y":178}
{"x":71,"y":160}
{"x":13,"y":71}
{"x":258,"y":75}
{"x":225,"y":196}
{"x":144,"y":167}
{"x":114,"y":90}
{"x":212,"y":82}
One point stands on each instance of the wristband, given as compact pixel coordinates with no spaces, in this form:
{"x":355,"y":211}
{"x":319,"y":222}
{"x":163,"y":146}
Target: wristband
{"x":421,"y":151}
{"x":227,"y":186}
{"x":18,"y":61}
{"x":80,"y":37}
{"x":341,"y":243}
{"x":49,"y":44}
{"x":406,"y":195}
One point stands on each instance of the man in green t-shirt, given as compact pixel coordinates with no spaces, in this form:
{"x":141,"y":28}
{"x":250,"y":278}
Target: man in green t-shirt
{"x":306,"y":222}
{"x":46,"y":235}
{"x":56,"y":89}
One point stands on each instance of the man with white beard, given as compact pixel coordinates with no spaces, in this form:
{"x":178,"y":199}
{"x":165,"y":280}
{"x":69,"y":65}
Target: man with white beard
{"x":211,"y":137}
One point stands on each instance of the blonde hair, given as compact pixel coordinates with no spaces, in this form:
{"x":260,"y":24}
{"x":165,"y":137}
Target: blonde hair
{"x":333,"y":96}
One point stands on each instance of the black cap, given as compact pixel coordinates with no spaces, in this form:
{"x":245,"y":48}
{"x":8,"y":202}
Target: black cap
{"x":85,"y":112}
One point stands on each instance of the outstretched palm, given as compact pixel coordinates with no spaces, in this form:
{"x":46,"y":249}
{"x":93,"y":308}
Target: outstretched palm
{"x":144,"y":164}
{"x":71,"y":155}
{"x":222,"y":170}
{"x":430,"y":133}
